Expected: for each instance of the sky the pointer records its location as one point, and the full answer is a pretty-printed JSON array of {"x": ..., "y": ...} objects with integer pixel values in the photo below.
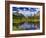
[{"x": 26, "y": 11}]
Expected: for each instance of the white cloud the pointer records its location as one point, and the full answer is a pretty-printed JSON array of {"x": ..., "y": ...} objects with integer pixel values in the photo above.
[{"x": 28, "y": 12}]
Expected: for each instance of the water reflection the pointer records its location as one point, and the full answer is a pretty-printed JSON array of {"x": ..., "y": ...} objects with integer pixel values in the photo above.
[{"x": 27, "y": 26}]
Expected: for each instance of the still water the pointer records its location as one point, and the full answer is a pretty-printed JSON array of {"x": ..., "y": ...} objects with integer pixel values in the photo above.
[{"x": 27, "y": 26}]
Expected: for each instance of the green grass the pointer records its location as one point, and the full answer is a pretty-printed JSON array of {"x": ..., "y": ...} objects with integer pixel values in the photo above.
[{"x": 25, "y": 20}]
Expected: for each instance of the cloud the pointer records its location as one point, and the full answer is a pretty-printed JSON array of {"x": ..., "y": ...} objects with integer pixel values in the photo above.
[{"x": 26, "y": 11}]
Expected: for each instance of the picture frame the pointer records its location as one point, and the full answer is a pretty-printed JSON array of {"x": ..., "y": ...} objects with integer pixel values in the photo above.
[{"x": 10, "y": 10}]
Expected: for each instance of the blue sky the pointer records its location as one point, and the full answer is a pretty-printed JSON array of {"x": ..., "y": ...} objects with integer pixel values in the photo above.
[{"x": 27, "y": 11}]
